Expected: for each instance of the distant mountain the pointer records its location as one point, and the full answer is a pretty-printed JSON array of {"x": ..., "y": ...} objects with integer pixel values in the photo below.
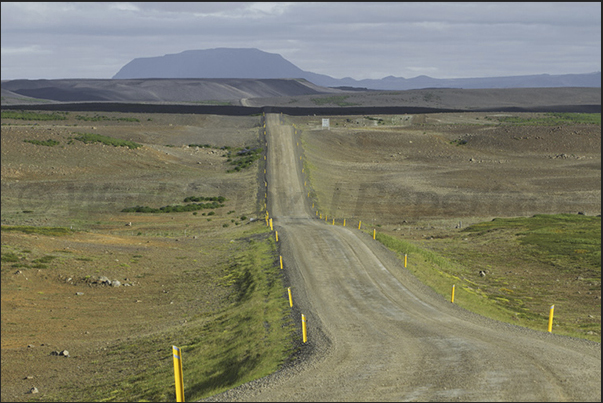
[{"x": 257, "y": 64}]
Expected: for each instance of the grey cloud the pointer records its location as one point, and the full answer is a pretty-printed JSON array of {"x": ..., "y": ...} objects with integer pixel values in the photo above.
[{"x": 359, "y": 40}]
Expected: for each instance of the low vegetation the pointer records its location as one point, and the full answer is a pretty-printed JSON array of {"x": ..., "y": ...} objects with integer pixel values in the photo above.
[
  {"x": 214, "y": 203},
  {"x": 243, "y": 158},
  {"x": 552, "y": 119},
  {"x": 22, "y": 115},
  {"x": 102, "y": 118},
  {"x": 47, "y": 143},
  {"x": 517, "y": 255},
  {"x": 201, "y": 145},
  {"x": 48, "y": 231},
  {"x": 250, "y": 337},
  {"x": 568, "y": 241},
  {"x": 89, "y": 138},
  {"x": 335, "y": 99}
]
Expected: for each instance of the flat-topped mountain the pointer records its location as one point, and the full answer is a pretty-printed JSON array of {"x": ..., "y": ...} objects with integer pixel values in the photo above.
[{"x": 257, "y": 64}]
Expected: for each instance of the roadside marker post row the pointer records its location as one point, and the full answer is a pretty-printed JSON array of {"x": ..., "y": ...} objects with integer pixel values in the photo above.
[
  {"x": 319, "y": 215},
  {"x": 304, "y": 324},
  {"x": 551, "y": 310}
]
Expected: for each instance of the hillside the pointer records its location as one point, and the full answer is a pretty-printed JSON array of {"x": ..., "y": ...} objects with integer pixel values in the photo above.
[{"x": 227, "y": 90}]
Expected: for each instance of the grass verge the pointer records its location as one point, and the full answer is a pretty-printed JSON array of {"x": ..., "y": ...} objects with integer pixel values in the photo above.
[
  {"x": 249, "y": 338},
  {"x": 560, "y": 245}
]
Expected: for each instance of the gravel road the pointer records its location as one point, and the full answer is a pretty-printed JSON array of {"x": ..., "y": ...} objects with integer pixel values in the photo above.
[{"x": 376, "y": 334}]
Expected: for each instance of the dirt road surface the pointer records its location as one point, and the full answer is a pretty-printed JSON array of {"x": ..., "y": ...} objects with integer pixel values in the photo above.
[{"x": 376, "y": 334}]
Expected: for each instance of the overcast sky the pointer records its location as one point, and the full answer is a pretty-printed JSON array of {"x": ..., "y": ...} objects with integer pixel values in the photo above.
[{"x": 358, "y": 40}]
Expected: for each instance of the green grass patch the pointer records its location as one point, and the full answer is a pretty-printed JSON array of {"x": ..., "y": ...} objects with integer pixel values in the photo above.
[
  {"x": 102, "y": 118},
  {"x": 567, "y": 240},
  {"x": 48, "y": 231},
  {"x": 219, "y": 199},
  {"x": 10, "y": 257},
  {"x": 335, "y": 99},
  {"x": 44, "y": 259},
  {"x": 213, "y": 203},
  {"x": 22, "y": 115},
  {"x": 89, "y": 138},
  {"x": 492, "y": 297},
  {"x": 249, "y": 338}
]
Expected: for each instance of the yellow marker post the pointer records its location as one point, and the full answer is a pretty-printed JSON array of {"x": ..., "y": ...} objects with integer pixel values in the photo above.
[
  {"x": 333, "y": 221},
  {"x": 359, "y": 223},
  {"x": 177, "y": 354},
  {"x": 304, "y": 331},
  {"x": 290, "y": 298},
  {"x": 276, "y": 233},
  {"x": 405, "y": 259},
  {"x": 271, "y": 229},
  {"x": 452, "y": 297},
  {"x": 551, "y": 318},
  {"x": 325, "y": 217},
  {"x": 374, "y": 233},
  {"x": 344, "y": 222},
  {"x": 281, "y": 258}
]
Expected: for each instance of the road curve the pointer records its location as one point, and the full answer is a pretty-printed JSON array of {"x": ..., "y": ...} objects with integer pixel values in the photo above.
[{"x": 379, "y": 335}]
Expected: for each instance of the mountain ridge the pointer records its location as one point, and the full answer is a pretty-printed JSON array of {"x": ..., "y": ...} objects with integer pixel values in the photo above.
[{"x": 256, "y": 64}]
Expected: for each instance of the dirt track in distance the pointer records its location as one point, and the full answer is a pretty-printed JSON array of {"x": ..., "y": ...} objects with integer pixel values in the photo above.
[{"x": 379, "y": 335}]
